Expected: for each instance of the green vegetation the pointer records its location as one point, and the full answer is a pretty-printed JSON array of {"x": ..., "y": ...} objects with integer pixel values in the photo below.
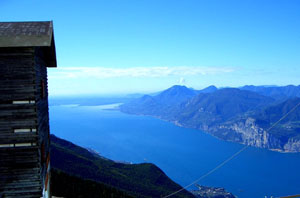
[
  {"x": 278, "y": 93},
  {"x": 137, "y": 180},
  {"x": 202, "y": 109},
  {"x": 287, "y": 128},
  {"x": 229, "y": 106},
  {"x": 68, "y": 186}
]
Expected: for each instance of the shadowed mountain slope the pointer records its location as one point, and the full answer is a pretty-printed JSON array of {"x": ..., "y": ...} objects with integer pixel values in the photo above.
[
  {"x": 233, "y": 114},
  {"x": 279, "y": 93},
  {"x": 137, "y": 180},
  {"x": 219, "y": 106}
]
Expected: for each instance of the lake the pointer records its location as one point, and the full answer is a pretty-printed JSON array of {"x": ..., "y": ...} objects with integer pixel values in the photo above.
[{"x": 183, "y": 154}]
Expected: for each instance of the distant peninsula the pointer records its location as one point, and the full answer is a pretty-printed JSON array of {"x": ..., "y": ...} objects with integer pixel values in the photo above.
[
  {"x": 211, "y": 192},
  {"x": 243, "y": 115}
]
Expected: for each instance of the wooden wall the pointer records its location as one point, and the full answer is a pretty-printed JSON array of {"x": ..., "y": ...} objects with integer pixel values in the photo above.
[
  {"x": 24, "y": 122},
  {"x": 42, "y": 109}
]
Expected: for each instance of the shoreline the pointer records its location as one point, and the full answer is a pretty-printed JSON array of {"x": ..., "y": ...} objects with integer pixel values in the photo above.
[{"x": 176, "y": 123}]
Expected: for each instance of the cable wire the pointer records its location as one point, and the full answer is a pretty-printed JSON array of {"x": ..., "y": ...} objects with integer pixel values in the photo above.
[
  {"x": 231, "y": 157},
  {"x": 209, "y": 172},
  {"x": 290, "y": 196}
]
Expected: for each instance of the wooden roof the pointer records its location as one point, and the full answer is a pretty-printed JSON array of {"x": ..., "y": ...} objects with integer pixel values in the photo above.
[{"x": 29, "y": 34}]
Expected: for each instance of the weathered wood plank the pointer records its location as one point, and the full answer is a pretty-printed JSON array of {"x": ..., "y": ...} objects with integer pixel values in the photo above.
[
  {"x": 23, "y": 77},
  {"x": 18, "y": 138},
  {"x": 19, "y": 192},
  {"x": 20, "y": 171},
  {"x": 17, "y": 50}
]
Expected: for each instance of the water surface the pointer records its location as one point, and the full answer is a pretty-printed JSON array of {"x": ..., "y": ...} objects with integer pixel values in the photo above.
[{"x": 183, "y": 154}]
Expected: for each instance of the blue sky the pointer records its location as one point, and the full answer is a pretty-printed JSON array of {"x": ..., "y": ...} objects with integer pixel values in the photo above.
[{"x": 129, "y": 46}]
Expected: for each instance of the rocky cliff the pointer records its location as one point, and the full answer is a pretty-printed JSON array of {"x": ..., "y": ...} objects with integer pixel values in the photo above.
[
  {"x": 230, "y": 114},
  {"x": 248, "y": 132}
]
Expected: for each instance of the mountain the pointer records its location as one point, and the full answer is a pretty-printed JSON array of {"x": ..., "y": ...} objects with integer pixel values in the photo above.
[
  {"x": 83, "y": 172},
  {"x": 70, "y": 186},
  {"x": 257, "y": 129},
  {"x": 221, "y": 105},
  {"x": 289, "y": 127},
  {"x": 209, "y": 89},
  {"x": 175, "y": 95},
  {"x": 163, "y": 102},
  {"x": 158, "y": 104},
  {"x": 231, "y": 114},
  {"x": 279, "y": 93},
  {"x": 195, "y": 110}
]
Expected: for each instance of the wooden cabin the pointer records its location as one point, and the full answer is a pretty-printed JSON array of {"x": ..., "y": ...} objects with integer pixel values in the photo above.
[{"x": 26, "y": 50}]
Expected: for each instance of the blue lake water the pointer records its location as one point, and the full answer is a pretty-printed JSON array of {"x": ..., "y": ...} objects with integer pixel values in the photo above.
[{"x": 183, "y": 154}]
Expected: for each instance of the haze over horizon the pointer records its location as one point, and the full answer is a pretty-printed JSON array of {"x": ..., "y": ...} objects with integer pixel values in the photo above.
[{"x": 118, "y": 47}]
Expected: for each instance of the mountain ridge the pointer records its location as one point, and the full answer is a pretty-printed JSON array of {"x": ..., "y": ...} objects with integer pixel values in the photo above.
[
  {"x": 129, "y": 180},
  {"x": 277, "y": 92},
  {"x": 231, "y": 114}
]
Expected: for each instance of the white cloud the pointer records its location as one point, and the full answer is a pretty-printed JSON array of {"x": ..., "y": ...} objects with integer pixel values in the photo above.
[
  {"x": 109, "y": 72},
  {"x": 181, "y": 81}
]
